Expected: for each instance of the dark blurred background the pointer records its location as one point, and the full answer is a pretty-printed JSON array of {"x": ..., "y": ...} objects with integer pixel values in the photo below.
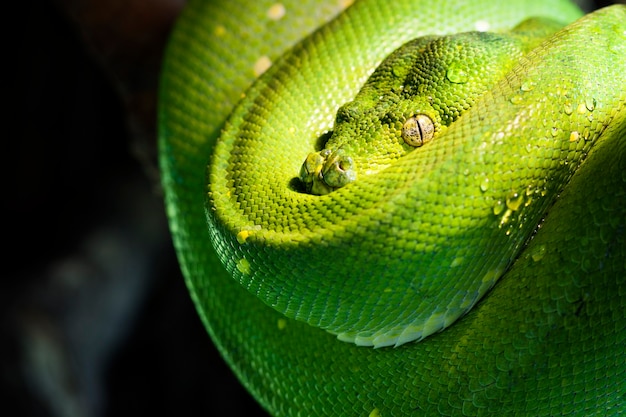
[{"x": 95, "y": 318}]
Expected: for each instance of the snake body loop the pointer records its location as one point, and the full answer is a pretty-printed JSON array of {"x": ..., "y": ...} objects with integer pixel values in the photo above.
[{"x": 526, "y": 187}]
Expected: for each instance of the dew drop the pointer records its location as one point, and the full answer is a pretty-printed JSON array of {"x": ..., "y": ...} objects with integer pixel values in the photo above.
[
  {"x": 456, "y": 74},
  {"x": 505, "y": 219},
  {"x": 530, "y": 190},
  {"x": 538, "y": 253},
  {"x": 498, "y": 207},
  {"x": 527, "y": 202},
  {"x": 375, "y": 413},
  {"x": 514, "y": 200},
  {"x": 243, "y": 266},
  {"x": 516, "y": 99},
  {"x": 484, "y": 184},
  {"x": 527, "y": 85},
  {"x": 590, "y": 103},
  {"x": 567, "y": 108},
  {"x": 456, "y": 262}
]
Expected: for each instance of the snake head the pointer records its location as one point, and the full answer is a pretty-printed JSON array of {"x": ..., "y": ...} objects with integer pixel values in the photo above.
[{"x": 326, "y": 171}]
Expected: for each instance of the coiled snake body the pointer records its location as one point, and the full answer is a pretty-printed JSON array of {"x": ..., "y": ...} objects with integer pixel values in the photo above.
[{"x": 521, "y": 187}]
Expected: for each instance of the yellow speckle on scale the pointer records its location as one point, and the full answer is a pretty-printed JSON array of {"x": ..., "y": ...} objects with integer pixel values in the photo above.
[
  {"x": 573, "y": 137},
  {"x": 375, "y": 413},
  {"x": 582, "y": 108},
  {"x": 261, "y": 65},
  {"x": 276, "y": 11},
  {"x": 219, "y": 30},
  {"x": 344, "y": 4},
  {"x": 243, "y": 236},
  {"x": 282, "y": 324}
]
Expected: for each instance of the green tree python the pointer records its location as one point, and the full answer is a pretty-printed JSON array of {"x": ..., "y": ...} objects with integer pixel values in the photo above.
[{"x": 440, "y": 234}]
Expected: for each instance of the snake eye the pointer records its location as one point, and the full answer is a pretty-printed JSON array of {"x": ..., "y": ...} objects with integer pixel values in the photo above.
[{"x": 418, "y": 130}]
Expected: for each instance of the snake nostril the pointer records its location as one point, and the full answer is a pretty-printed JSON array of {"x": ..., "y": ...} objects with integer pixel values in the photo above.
[
  {"x": 339, "y": 170},
  {"x": 325, "y": 171}
]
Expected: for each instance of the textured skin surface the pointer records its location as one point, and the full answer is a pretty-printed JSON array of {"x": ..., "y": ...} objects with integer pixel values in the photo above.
[
  {"x": 437, "y": 77},
  {"x": 546, "y": 340}
]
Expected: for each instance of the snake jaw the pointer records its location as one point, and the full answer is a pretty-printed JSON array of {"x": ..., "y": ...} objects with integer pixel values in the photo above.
[{"x": 325, "y": 171}]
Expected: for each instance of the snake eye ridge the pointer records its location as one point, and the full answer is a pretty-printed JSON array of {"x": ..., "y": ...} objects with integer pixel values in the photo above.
[{"x": 418, "y": 130}]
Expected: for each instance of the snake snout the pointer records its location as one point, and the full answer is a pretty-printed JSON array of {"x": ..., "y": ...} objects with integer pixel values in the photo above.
[
  {"x": 338, "y": 170},
  {"x": 325, "y": 171}
]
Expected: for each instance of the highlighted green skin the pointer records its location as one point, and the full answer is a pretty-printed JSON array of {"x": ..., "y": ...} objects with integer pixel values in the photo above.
[
  {"x": 439, "y": 77},
  {"x": 548, "y": 339},
  {"x": 432, "y": 238}
]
